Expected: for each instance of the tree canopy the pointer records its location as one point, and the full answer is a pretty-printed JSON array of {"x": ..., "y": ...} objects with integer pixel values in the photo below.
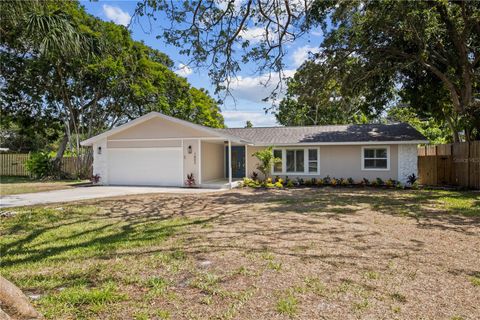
[
  {"x": 66, "y": 74},
  {"x": 374, "y": 55}
]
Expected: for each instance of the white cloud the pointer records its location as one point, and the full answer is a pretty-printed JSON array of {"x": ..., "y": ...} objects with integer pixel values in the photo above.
[
  {"x": 253, "y": 35},
  {"x": 238, "y": 118},
  {"x": 183, "y": 70},
  {"x": 117, "y": 15},
  {"x": 257, "y": 88},
  {"x": 237, "y": 4},
  {"x": 301, "y": 54}
]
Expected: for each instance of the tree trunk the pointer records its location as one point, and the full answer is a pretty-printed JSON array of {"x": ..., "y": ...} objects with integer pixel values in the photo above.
[
  {"x": 61, "y": 150},
  {"x": 14, "y": 299},
  {"x": 453, "y": 129}
]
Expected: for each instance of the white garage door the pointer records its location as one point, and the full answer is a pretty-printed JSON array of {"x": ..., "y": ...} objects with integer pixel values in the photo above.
[{"x": 145, "y": 166}]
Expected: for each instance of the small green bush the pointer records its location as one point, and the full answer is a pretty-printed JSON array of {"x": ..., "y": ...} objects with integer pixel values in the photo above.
[
  {"x": 390, "y": 183},
  {"x": 334, "y": 182},
  {"x": 327, "y": 180},
  {"x": 39, "y": 165},
  {"x": 247, "y": 182},
  {"x": 289, "y": 184},
  {"x": 365, "y": 182}
]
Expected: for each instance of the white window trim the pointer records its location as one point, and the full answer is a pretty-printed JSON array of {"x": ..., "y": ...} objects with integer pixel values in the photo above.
[
  {"x": 375, "y": 147},
  {"x": 305, "y": 162}
]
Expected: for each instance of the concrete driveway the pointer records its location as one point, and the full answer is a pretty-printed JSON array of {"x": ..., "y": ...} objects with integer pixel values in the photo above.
[{"x": 83, "y": 193}]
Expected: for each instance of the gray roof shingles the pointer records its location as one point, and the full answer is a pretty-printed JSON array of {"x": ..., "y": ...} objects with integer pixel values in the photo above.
[{"x": 327, "y": 134}]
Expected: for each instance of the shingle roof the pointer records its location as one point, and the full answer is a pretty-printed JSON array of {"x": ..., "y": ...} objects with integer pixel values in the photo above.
[{"x": 328, "y": 134}]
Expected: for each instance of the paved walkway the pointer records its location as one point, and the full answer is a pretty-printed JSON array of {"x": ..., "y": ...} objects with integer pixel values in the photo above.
[{"x": 83, "y": 193}]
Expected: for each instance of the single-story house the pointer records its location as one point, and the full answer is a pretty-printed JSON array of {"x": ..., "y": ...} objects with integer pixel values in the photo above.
[{"x": 161, "y": 150}]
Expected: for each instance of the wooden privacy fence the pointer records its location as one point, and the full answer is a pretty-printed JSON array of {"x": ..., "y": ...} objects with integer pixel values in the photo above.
[
  {"x": 450, "y": 164},
  {"x": 13, "y": 164}
]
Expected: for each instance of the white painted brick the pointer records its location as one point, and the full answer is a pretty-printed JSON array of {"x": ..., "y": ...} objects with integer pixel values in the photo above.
[{"x": 407, "y": 161}]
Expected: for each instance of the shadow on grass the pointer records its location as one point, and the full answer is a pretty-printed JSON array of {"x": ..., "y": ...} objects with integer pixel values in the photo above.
[{"x": 139, "y": 225}]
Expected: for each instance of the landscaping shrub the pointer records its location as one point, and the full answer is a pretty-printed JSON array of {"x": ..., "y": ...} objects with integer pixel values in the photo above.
[
  {"x": 327, "y": 180},
  {"x": 300, "y": 182},
  {"x": 247, "y": 182},
  {"x": 266, "y": 160},
  {"x": 95, "y": 178},
  {"x": 333, "y": 182},
  {"x": 411, "y": 179},
  {"x": 279, "y": 183},
  {"x": 289, "y": 184},
  {"x": 390, "y": 183},
  {"x": 39, "y": 165}
]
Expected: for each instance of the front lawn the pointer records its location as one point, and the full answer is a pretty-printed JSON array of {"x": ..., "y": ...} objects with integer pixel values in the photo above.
[
  {"x": 16, "y": 185},
  {"x": 251, "y": 254}
]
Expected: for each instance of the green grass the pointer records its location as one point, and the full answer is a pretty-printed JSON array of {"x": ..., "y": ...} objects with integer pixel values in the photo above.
[
  {"x": 287, "y": 305},
  {"x": 475, "y": 279},
  {"x": 360, "y": 306},
  {"x": 130, "y": 258},
  {"x": 398, "y": 297},
  {"x": 399, "y": 202},
  {"x": 467, "y": 204},
  {"x": 372, "y": 275},
  {"x": 72, "y": 257},
  {"x": 16, "y": 185},
  {"x": 82, "y": 301}
]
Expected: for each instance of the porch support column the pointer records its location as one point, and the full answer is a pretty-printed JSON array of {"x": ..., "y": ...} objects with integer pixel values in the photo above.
[{"x": 230, "y": 163}]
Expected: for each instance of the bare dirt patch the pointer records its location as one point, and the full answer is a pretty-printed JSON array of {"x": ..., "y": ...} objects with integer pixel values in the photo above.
[{"x": 304, "y": 254}]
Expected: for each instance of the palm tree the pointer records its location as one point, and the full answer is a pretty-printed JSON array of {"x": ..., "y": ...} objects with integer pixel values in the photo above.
[{"x": 39, "y": 28}]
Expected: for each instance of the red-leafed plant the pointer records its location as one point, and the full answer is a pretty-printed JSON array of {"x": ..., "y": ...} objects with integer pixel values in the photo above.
[
  {"x": 95, "y": 178},
  {"x": 190, "y": 180}
]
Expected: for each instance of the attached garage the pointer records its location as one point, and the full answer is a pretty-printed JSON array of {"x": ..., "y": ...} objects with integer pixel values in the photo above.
[
  {"x": 158, "y": 150},
  {"x": 145, "y": 166}
]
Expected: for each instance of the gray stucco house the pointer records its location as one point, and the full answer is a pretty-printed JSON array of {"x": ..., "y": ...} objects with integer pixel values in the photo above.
[{"x": 156, "y": 149}]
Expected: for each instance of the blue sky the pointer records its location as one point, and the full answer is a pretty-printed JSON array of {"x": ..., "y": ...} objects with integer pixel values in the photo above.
[{"x": 247, "y": 90}]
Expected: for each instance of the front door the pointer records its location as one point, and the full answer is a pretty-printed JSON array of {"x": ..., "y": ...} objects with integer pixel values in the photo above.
[{"x": 238, "y": 161}]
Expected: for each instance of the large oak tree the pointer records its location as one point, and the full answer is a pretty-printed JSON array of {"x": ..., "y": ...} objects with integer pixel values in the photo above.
[
  {"x": 65, "y": 69},
  {"x": 372, "y": 49}
]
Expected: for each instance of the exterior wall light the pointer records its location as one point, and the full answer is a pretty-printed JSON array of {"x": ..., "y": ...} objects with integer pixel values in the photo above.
[
  {"x": 189, "y": 149},
  {"x": 99, "y": 150}
]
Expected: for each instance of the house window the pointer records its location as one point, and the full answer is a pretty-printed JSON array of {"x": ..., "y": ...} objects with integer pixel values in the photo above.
[
  {"x": 312, "y": 160},
  {"x": 295, "y": 160},
  {"x": 375, "y": 158},
  {"x": 278, "y": 166},
  {"x": 300, "y": 161}
]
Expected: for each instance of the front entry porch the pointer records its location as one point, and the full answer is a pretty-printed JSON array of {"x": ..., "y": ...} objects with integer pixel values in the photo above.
[{"x": 222, "y": 164}]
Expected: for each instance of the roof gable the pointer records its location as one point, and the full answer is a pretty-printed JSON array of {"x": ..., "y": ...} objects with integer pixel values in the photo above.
[{"x": 155, "y": 125}]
